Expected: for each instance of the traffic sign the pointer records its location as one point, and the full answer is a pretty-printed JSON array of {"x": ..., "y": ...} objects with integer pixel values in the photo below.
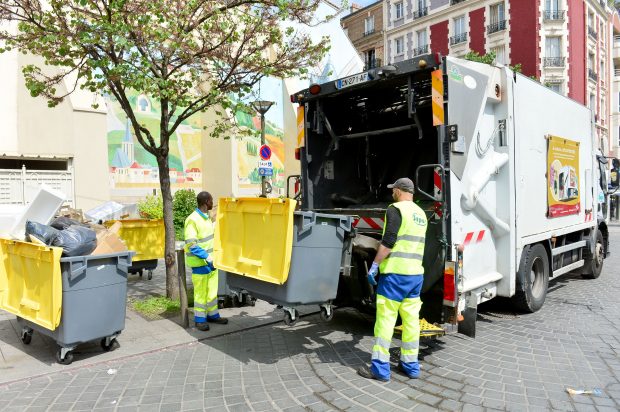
[
  {"x": 265, "y": 168},
  {"x": 265, "y": 152}
]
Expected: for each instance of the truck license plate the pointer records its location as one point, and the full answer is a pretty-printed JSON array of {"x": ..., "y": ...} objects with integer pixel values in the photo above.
[{"x": 351, "y": 80}]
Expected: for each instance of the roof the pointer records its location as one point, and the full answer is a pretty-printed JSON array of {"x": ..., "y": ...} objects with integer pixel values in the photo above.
[
  {"x": 135, "y": 165},
  {"x": 361, "y": 10},
  {"x": 127, "y": 138},
  {"x": 120, "y": 159},
  {"x": 193, "y": 170}
]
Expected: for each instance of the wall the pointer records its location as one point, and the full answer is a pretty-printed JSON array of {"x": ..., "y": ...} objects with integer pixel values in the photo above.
[
  {"x": 524, "y": 29},
  {"x": 477, "y": 30},
  {"x": 577, "y": 50},
  {"x": 439, "y": 38}
]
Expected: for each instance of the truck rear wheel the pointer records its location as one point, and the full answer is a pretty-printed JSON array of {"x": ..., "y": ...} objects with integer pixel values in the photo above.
[
  {"x": 594, "y": 265},
  {"x": 532, "y": 279}
]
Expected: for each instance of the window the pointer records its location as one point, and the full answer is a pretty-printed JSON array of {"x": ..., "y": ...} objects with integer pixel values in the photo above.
[
  {"x": 619, "y": 102},
  {"x": 369, "y": 59},
  {"x": 592, "y": 102},
  {"x": 497, "y": 13},
  {"x": 500, "y": 55},
  {"x": 591, "y": 61},
  {"x": 398, "y": 7},
  {"x": 422, "y": 38},
  {"x": 553, "y": 46},
  {"x": 399, "y": 45},
  {"x": 459, "y": 26},
  {"x": 552, "y": 5},
  {"x": 369, "y": 25},
  {"x": 590, "y": 20},
  {"x": 556, "y": 87},
  {"x": 602, "y": 72},
  {"x": 421, "y": 4}
]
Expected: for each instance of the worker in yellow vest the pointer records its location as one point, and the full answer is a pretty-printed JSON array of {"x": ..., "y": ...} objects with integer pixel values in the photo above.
[
  {"x": 399, "y": 259},
  {"x": 198, "y": 250}
]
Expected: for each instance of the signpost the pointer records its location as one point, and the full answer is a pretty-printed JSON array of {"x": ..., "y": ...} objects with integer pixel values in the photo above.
[{"x": 265, "y": 166}]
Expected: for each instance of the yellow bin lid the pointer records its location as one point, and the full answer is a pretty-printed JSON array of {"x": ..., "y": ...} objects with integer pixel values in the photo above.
[{"x": 254, "y": 237}]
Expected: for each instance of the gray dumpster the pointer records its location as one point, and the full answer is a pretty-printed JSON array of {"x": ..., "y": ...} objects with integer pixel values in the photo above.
[
  {"x": 317, "y": 251},
  {"x": 94, "y": 296}
]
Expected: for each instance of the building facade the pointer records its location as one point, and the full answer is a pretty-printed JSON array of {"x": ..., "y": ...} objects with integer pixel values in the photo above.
[
  {"x": 364, "y": 27},
  {"x": 566, "y": 44},
  {"x": 615, "y": 99}
]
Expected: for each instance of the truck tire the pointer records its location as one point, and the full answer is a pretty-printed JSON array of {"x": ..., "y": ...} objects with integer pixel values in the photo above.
[
  {"x": 594, "y": 265},
  {"x": 532, "y": 279}
]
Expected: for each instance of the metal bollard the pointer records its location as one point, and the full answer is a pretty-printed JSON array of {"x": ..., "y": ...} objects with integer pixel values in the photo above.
[{"x": 182, "y": 287}]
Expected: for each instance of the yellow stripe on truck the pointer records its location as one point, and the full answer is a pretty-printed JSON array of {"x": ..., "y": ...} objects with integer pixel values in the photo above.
[
  {"x": 437, "y": 98},
  {"x": 300, "y": 126}
]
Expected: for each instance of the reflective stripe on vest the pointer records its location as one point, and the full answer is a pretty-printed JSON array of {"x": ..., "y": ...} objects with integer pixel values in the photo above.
[
  {"x": 204, "y": 238},
  {"x": 408, "y": 251}
]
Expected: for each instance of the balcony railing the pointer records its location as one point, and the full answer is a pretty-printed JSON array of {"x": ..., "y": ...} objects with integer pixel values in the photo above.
[
  {"x": 453, "y": 2},
  {"x": 420, "y": 50},
  {"x": 458, "y": 39},
  {"x": 420, "y": 13},
  {"x": 372, "y": 63},
  {"x": 616, "y": 40},
  {"x": 495, "y": 27},
  {"x": 369, "y": 32},
  {"x": 557, "y": 15},
  {"x": 617, "y": 72},
  {"x": 592, "y": 32},
  {"x": 554, "y": 61},
  {"x": 592, "y": 75}
]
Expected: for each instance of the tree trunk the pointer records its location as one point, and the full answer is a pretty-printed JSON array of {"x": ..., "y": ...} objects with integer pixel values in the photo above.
[{"x": 172, "y": 285}]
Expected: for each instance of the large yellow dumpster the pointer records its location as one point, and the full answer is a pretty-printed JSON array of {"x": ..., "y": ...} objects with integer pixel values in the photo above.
[
  {"x": 146, "y": 238},
  {"x": 31, "y": 282}
]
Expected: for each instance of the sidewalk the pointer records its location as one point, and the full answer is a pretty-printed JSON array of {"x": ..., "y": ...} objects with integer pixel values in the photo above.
[{"x": 141, "y": 335}]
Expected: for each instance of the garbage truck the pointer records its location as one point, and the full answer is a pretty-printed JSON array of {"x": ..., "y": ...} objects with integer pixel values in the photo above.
[{"x": 508, "y": 171}]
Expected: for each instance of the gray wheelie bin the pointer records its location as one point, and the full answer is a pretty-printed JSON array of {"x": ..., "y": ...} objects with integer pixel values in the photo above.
[
  {"x": 276, "y": 254},
  {"x": 94, "y": 296}
]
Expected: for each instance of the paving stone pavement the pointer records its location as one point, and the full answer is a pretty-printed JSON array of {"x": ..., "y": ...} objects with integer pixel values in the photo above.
[{"x": 516, "y": 363}]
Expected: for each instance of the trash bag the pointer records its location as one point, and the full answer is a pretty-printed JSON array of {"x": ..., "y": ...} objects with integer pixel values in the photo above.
[
  {"x": 62, "y": 223},
  {"x": 44, "y": 233},
  {"x": 76, "y": 241}
]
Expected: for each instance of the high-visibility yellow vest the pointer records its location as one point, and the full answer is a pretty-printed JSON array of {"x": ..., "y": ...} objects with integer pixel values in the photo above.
[
  {"x": 407, "y": 254},
  {"x": 198, "y": 231}
]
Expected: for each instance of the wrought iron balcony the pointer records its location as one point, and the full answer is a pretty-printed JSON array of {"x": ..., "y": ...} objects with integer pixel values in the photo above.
[
  {"x": 592, "y": 32},
  {"x": 420, "y": 50},
  {"x": 495, "y": 27},
  {"x": 372, "y": 63},
  {"x": 592, "y": 75},
  {"x": 453, "y": 2},
  {"x": 368, "y": 32},
  {"x": 420, "y": 13},
  {"x": 557, "y": 15},
  {"x": 459, "y": 38},
  {"x": 554, "y": 61}
]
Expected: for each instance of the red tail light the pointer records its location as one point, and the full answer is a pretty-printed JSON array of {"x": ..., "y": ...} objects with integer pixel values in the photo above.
[
  {"x": 298, "y": 154},
  {"x": 297, "y": 186},
  {"x": 449, "y": 286},
  {"x": 315, "y": 89},
  {"x": 293, "y": 99}
]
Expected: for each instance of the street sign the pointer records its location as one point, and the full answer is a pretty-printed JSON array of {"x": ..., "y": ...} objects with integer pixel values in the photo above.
[
  {"x": 265, "y": 152},
  {"x": 265, "y": 168}
]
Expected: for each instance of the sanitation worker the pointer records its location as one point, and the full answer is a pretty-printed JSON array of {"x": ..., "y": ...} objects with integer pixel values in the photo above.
[
  {"x": 198, "y": 250},
  {"x": 399, "y": 260}
]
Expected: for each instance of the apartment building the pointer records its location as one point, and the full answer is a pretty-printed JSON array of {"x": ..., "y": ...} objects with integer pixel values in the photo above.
[
  {"x": 615, "y": 100},
  {"x": 364, "y": 27},
  {"x": 566, "y": 44}
]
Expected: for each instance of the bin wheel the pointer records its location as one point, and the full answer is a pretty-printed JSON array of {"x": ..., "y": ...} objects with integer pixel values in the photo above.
[
  {"x": 288, "y": 319},
  {"x": 112, "y": 346},
  {"x": 27, "y": 338},
  {"x": 150, "y": 275},
  {"x": 324, "y": 316},
  {"x": 67, "y": 360},
  {"x": 236, "y": 302},
  {"x": 140, "y": 272},
  {"x": 252, "y": 302}
]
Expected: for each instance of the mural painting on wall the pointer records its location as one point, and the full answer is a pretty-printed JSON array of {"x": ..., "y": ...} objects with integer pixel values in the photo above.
[
  {"x": 248, "y": 179},
  {"x": 133, "y": 170}
]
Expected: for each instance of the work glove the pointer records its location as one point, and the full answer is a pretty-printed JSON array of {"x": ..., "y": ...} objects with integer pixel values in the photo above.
[
  {"x": 372, "y": 272},
  {"x": 199, "y": 252}
]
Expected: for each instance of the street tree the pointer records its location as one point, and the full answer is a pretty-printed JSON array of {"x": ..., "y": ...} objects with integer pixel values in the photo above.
[{"x": 190, "y": 56}]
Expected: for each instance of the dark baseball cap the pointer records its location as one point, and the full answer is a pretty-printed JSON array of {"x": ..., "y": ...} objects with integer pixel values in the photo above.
[{"x": 404, "y": 183}]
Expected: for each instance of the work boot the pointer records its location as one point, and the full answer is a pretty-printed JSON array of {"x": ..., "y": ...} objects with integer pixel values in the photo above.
[
  {"x": 220, "y": 321},
  {"x": 202, "y": 326},
  {"x": 409, "y": 375},
  {"x": 365, "y": 372}
]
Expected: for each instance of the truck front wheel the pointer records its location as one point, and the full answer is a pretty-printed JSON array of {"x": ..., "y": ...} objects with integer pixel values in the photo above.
[
  {"x": 532, "y": 279},
  {"x": 594, "y": 265}
]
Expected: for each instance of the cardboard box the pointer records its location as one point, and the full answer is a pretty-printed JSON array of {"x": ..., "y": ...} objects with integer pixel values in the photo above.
[{"x": 108, "y": 241}]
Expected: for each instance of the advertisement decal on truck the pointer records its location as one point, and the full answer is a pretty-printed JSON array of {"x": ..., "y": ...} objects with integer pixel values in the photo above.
[{"x": 563, "y": 177}]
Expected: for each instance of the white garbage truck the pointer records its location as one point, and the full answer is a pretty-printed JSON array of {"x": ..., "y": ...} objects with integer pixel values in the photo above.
[{"x": 508, "y": 171}]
